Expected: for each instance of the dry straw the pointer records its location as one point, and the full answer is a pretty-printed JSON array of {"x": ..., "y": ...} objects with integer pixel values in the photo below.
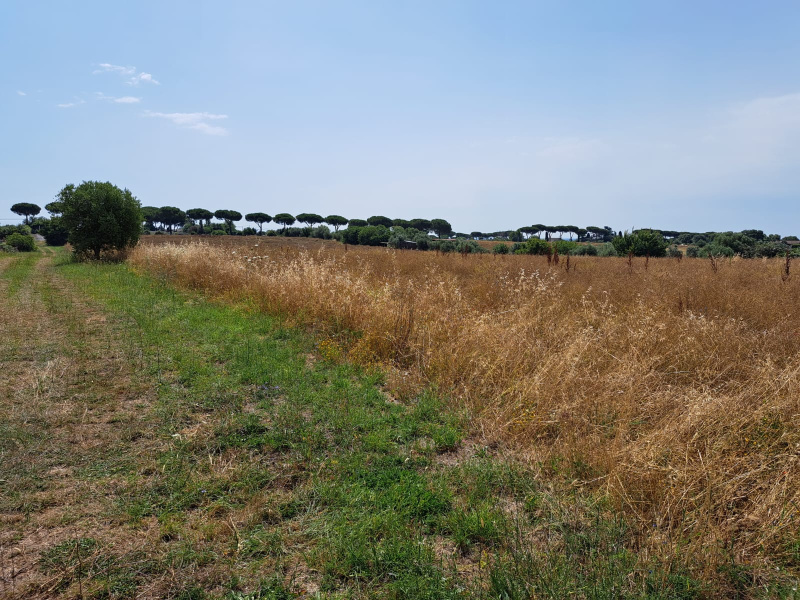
[{"x": 674, "y": 388}]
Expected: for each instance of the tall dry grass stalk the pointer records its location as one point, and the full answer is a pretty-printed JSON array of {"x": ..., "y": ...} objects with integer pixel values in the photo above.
[{"x": 676, "y": 388}]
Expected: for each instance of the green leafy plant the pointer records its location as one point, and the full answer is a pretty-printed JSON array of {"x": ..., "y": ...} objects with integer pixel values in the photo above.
[
  {"x": 643, "y": 242},
  {"x": 101, "y": 217},
  {"x": 21, "y": 242}
]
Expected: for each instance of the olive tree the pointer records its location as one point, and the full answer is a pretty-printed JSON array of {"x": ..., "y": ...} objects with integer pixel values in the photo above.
[{"x": 99, "y": 217}]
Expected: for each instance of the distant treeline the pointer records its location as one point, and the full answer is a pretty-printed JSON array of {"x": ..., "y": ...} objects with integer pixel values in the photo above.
[{"x": 433, "y": 234}]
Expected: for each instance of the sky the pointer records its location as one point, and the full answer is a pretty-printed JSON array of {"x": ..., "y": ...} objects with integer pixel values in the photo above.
[{"x": 681, "y": 115}]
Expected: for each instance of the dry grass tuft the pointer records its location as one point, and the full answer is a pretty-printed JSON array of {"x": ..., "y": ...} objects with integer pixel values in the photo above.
[{"x": 674, "y": 385}]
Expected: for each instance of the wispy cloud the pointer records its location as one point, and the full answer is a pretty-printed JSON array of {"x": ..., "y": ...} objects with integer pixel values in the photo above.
[
  {"x": 146, "y": 77},
  {"x": 71, "y": 104},
  {"x": 130, "y": 73},
  {"x": 197, "y": 121},
  {"x": 209, "y": 129},
  {"x": 21, "y": 93},
  {"x": 109, "y": 68},
  {"x": 120, "y": 100}
]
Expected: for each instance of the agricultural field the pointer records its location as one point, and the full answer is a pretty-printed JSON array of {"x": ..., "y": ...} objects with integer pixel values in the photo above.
[{"x": 253, "y": 417}]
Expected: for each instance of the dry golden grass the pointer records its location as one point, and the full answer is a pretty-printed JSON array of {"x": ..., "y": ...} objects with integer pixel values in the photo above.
[{"x": 672, "y": 385}]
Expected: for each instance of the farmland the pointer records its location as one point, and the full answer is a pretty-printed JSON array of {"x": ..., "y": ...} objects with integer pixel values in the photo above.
[{"x": 244, "y": 417}]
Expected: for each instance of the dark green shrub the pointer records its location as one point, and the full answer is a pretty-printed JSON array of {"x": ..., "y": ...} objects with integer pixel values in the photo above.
[
  {"x": 322, "y": 232},
  {"x": 20, "y": 242},
  {"x": 769, "y": 249},
  {"x": 715, "y": 249},
  {"x": 644, "y": 242},
  {"x": 564, "y": 247},
  {"x": 534, "y": 246},
  {"x": 373, "y": 235},
  {"x": 444, "y": 246},
  {"x": 674, "y": 252},
  {"x": 213, "y": 232},
  {"x": 54, "y": 232},
  {"x": 692, "y": 252},
  {"x": 6, "y": 230},
  {"x": 500, "y": 249},
  {"x": 468, "y": 247},
  {"x": 350, "y": 235}
]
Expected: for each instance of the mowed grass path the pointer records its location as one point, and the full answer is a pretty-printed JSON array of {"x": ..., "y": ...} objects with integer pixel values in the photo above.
[{"x": 155, "y": 445}]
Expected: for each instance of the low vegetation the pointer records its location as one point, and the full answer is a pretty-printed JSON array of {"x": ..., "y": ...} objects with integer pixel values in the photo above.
[
  {"x": 669, "y": 385},
  {"x": 157, "y": 445}
]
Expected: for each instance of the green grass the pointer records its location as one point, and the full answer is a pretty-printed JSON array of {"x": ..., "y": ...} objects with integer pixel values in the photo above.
[{"x": 279, "y": 477}]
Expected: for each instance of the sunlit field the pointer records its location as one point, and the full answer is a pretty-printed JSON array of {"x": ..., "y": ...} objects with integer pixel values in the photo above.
[{"x": 671, "y": 385}]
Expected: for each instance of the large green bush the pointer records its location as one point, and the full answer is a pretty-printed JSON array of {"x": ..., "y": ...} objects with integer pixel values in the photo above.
[
  {"x": 644, "y": 242},
  {"x": 564, "y": 247},
  {"x": 6, "y": 230},
  {"x": 101, "y": 217},
  {"x": 373, "y": 235},
  {"x": 350, "y": 235},
  {"x": 401, "y": 234},
  {"x": 54, "y": 232},
  {"x": 322, "y": 232},
  {"x": 534, "y": 245},
  {"x": 21, "y": 242},
  {"x": 715, "y": 249}
]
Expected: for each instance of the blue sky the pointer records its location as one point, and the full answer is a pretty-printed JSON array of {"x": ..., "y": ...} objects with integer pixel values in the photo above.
[{"x": 677, "y": 115}]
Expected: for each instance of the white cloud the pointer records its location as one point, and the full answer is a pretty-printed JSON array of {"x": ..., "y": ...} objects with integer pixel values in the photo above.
[
  {"x": 21, "y": 93},
  {"x": 120, "y": 100},
  {"x": 146, "y": 77},
  {"x": 209, "y": 129},
  {"x": 109, "y": 68},
  {"x": 71, "y": 104},
  {"x": 134, "y": 78},
  {"x": 196, "y": 120}
]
